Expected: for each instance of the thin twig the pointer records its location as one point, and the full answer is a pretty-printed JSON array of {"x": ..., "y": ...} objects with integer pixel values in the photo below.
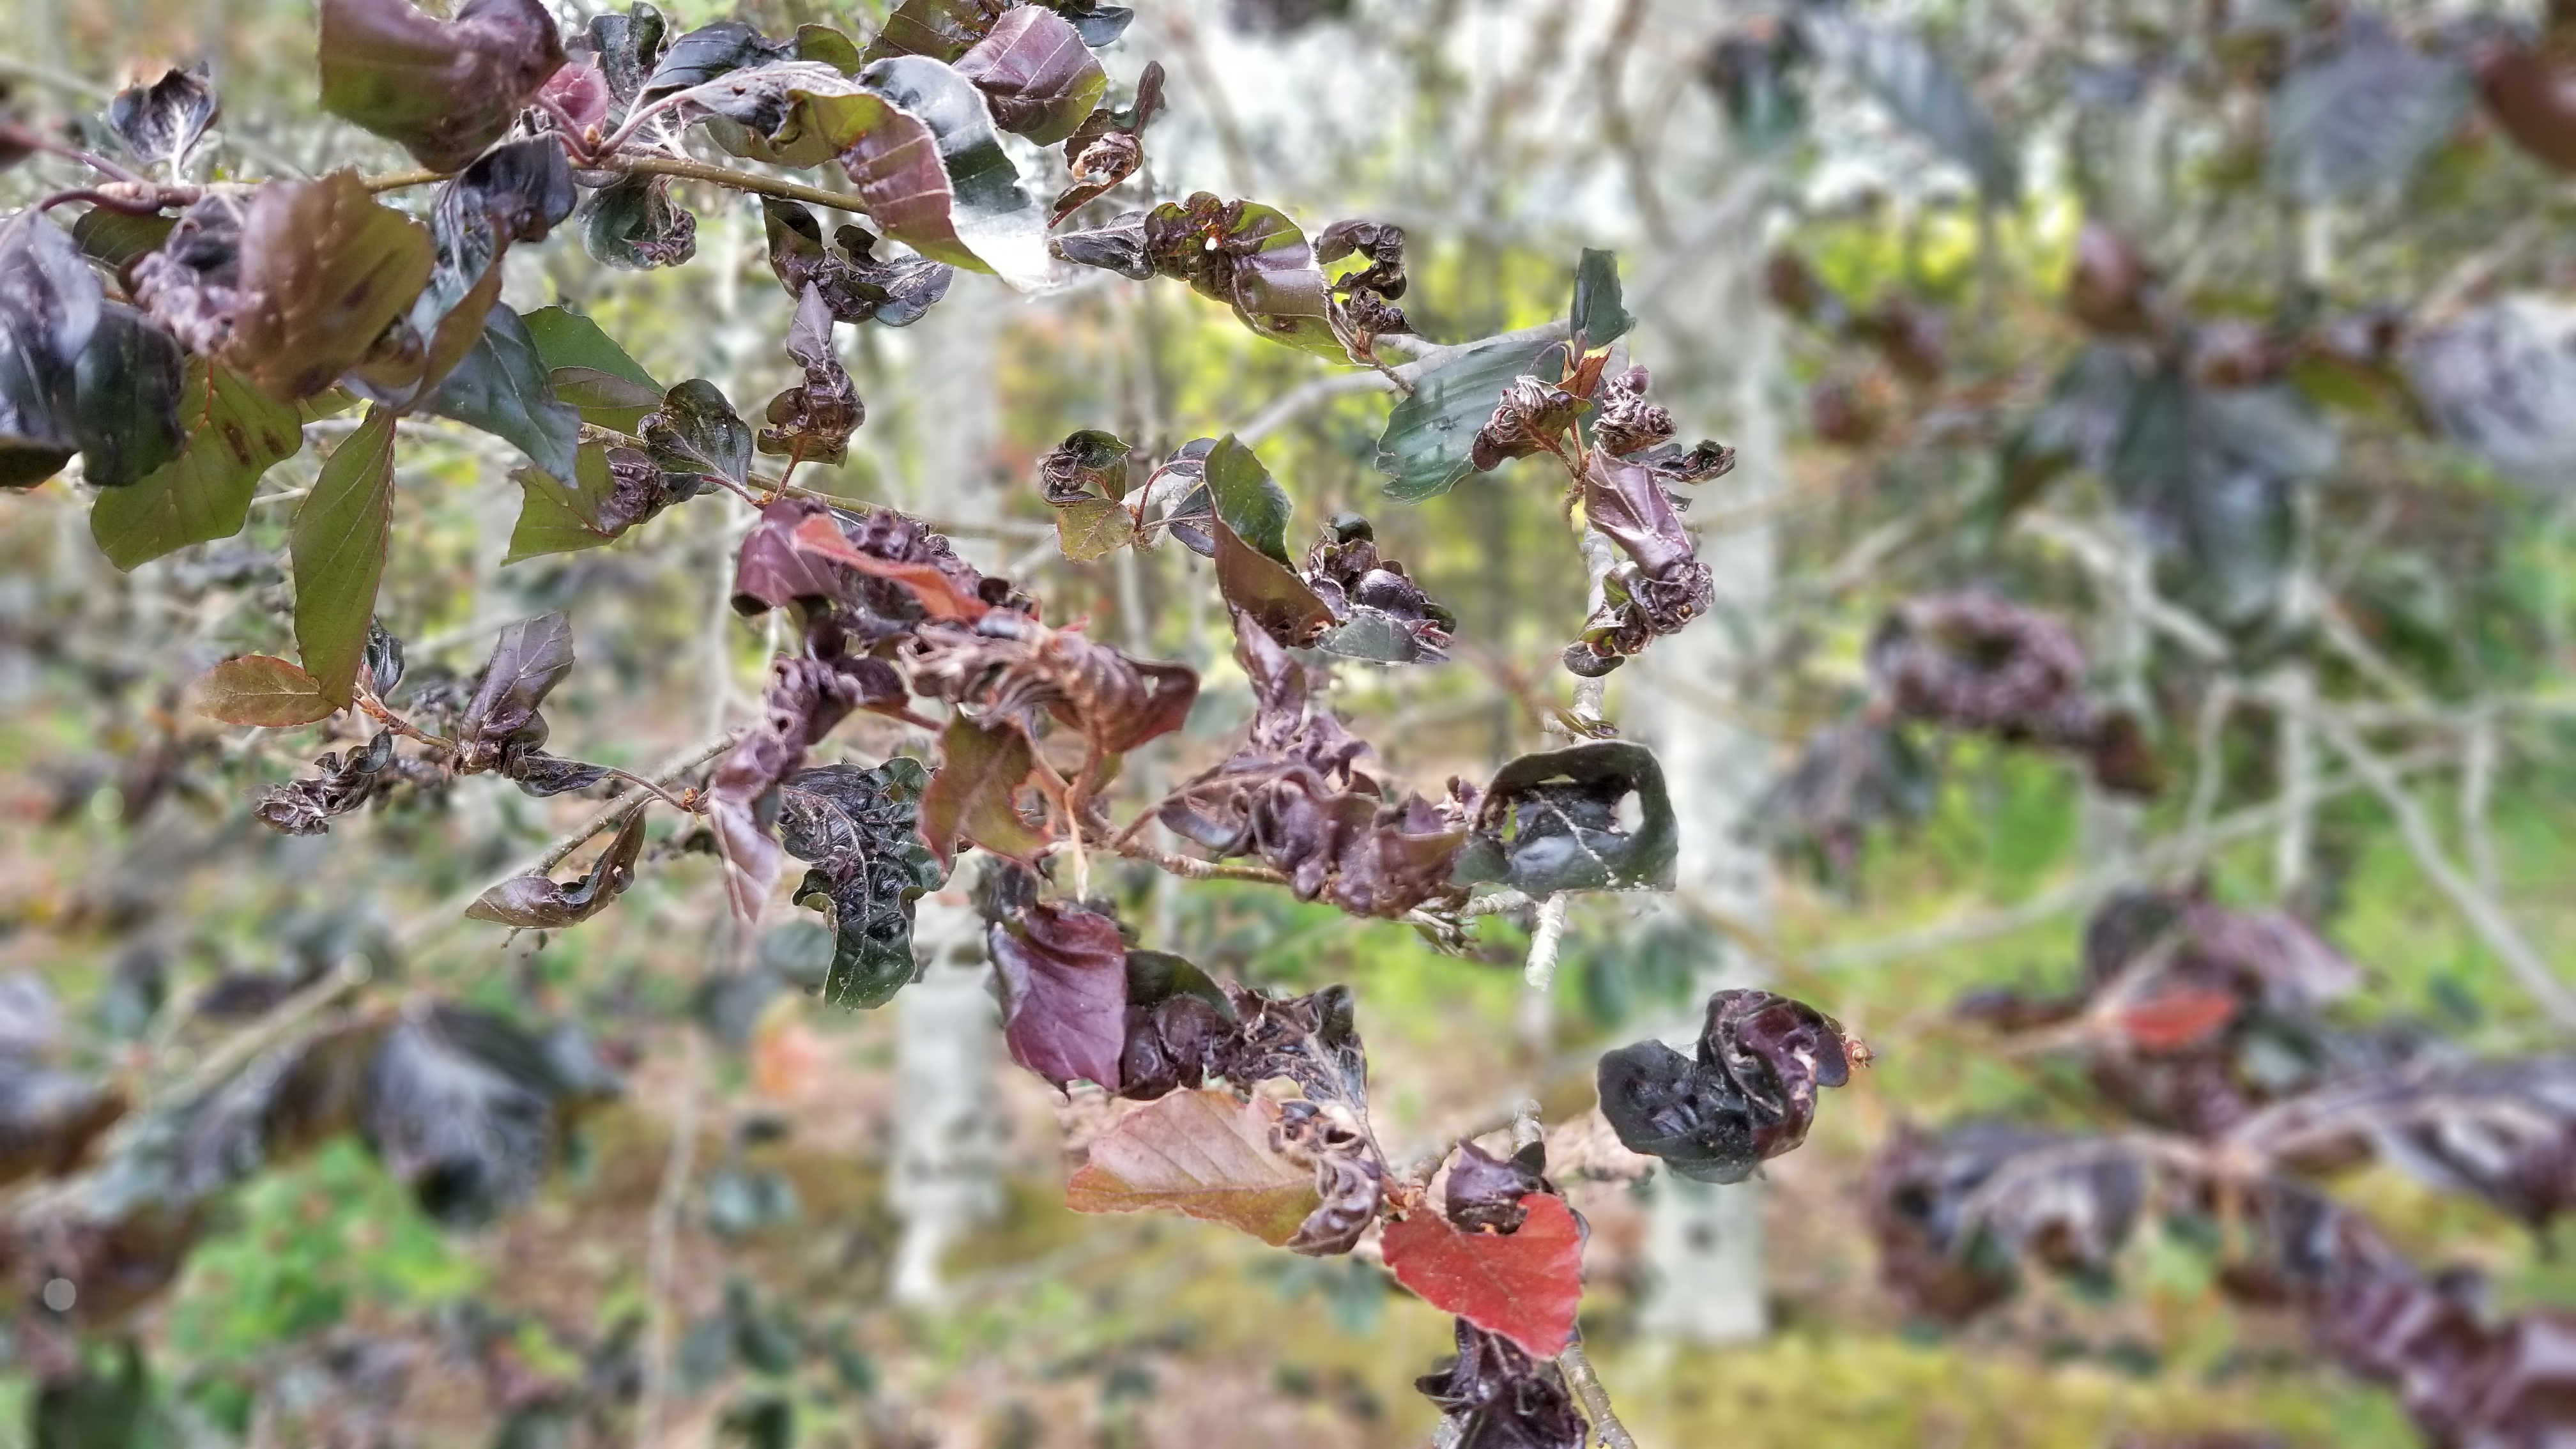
[
  {"x": 740, "y": 181},
  {"x": 1596, "y": 1399},
  {"x": 1546, "y": 937},
  {"x": 2484, "y": 914},
  {"x": 614, "y": 813}
]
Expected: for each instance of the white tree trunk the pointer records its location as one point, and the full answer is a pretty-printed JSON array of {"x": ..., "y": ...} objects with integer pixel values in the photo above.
[
  {"x": 1712, "y": 337},
  {"x": 947, "y": 1166}
]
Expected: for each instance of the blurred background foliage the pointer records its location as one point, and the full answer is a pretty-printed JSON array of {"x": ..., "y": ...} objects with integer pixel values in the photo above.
[{"x": 321, "y": 1306}]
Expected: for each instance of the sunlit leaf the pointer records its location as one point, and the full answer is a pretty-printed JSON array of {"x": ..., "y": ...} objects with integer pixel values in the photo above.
[
  {"x": 934, "y": 175},
  {"x": 257, "y": 689},
  {"x": 1523, "y": 1285}
]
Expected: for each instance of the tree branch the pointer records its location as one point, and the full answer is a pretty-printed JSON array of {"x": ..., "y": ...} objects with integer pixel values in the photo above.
[{"x": 740, "y": 181}]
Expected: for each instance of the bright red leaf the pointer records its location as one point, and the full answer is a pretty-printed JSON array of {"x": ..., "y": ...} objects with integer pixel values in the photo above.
[
  {"x": 1523, "y": 1286},
  {"x": 2173, "y": 1020}
]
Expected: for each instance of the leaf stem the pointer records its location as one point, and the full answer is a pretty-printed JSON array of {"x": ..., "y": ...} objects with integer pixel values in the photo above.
[
  {"x": 616, "y": 811},
  {"x": 740, "y": 181},
  {"x": 397, "y": 180}
]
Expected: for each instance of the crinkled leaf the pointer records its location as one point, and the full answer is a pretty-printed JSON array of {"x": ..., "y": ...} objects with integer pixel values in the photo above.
[
  {"x": 461, "y": 1106},
  {"x": 1523, "y": 1285},
  {"x": 1921, "y": 90},
  {"x": 517, "y": 191},
  {"x": 340, "y": 783},
  {"x": 1063, "y": 971},
  {"x": 2364, "y": 115},
  {"x": 971, "y": 796},
  {"x": 1430, "y": 437},
  {"x": 235, "y": 433},
  {"x": 1088, "y": 464},
  {"x": 1597, "y": 315},
  {"x": 857, "y": 286},
  {"x": 502, "y": 386},
  {"x": 633, "y": 222},
  {"x": 1550, "y": 822},
  {"x": 126, "y": 402},
  {"x": 444, "y": 90},
  {"x": 1036, "y": 74},
  {"x": 1496, "y": 1397},
  {"x": 1749, "y": 1094},
  {"x": 792, "y": 113},
  {"x": 807, "y": 696},
  {"x": 813, "y": 420},
  {"x": 1099, "y": 25},
  {"x": 613, "y": 490},
  {"x": 858, "y": 829},
  {"x": 934, "y": 175},
  {"x": 258, "y": 689},
  {"x": 1251, "y": 257},
  {"x": 338, "y": 543},
  {"x": 697, "y": 432},
  {"x": 1204, "y": 1155},
  {"x": 49, "y": 309},
  {"x": 529, "y": 658},
  {"x": 536, "y": 903},
  {"x": 1485, "y": 1191},
  {"x": 627, "y": 48},
  {"x": 159, "y": 124}
]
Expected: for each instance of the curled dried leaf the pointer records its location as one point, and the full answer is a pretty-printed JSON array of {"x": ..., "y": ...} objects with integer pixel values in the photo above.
[
  {"x": 341, "y": 784},
  {"x": 813, "y": 422},
  {"x": 1748, "y": 1094},
  {"x": 534, "y": 902}
]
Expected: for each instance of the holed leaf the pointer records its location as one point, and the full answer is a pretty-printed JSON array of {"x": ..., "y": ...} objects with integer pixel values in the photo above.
[
  {"x": 1036, "y": 74},
  {"x": 1749, "y": 1094},
  {"x": 858, "y": 830},
  {"x": 235, "y": 433},
  {"x": 1063, "y": 971},
  {"x": 536, "y": 903},
  {"x": 338, "y": 542},
  {"x": 258, "y": 689},
  {"x": 1523, "y": 1285},
  {"x": 1550, "y": 822},
  {"x": 444, "y": 90}
]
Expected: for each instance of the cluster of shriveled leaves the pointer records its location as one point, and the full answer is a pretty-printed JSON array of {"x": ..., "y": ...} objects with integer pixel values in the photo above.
[
  {"x": 2205, "y": 1023},
  {"x": 1975, "y": 661}
]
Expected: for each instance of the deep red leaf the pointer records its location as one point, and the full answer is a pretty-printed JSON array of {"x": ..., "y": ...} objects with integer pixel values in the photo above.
[
  {"x": 2182, "y": 1017},
  {"x": 1064, "y": 992}
]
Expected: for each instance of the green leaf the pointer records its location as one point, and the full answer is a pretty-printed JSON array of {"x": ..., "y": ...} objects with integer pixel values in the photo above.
[
  {"x": 125, "y": 407},
  {"x": 980, "y": 769},
  {"x": 2363, "y": 116},
  {"x": 567, "y": 341},
  {"x": 1550, "y": 822},
  {"x": 934, "y": 175},
  {"x": 1093, "y": 528},
  {"x": 859, "y": 830},
  {"x": 1901, "y": 69},
  {"x": 556, "y": 518},
  {"x": 1597, "y": 318},
  {"x": 604, "y": 398},
  {"x": 443, "y": 90},
  {"x": 259, "y": 689},
  {"x": 235, "y": 434},
  {"x": 338, "y": 545},
  {"x": 1432, "y": 433},
  {"x": 503, "y": 388},
  {"x": 115, "y": 240},
  {"x": 1037, "y": 76},
  {"x": 831, "y": 47},
  {"x": 1249, "y": 500}
]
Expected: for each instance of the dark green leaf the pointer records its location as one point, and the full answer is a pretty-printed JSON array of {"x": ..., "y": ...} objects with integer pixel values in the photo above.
[
  {"x": 628, "y": 47},
  {"x": 235, "y": 433},
  {"x": 338, "y": 543},
  {"x": 461, "y": 1107},
  {"x": 1597, "y": 318},
  {"x": 1249, "y": 500},
  {"x": 935, "y": 176},
  {"x": 2363, "y": 116},
  {"x": 698, "y": 432},
  {"x": 1430, "y": 437},
  {"x": 49, "y": 309},
  {"x": 708, "y": 53},
  {"x": 613, "y": 489},
  {"x": 858, "y": 829},
  {"x": 1900, "y": 68},
  {"x": 1036, "y": 75},
  {"x": 604, "y": 398},
  {"x": 85, "y": 1410},
  {"x": 633, "y": 222},
  {"x": 1550, "y": 822},
  {"x": 443, "y": 89},
  {"x": 503, "y": 388},
  {"x": 126, "y": 406},
  {"x": 116, "y": 240},
  {"x": 160, "y": 123}
]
